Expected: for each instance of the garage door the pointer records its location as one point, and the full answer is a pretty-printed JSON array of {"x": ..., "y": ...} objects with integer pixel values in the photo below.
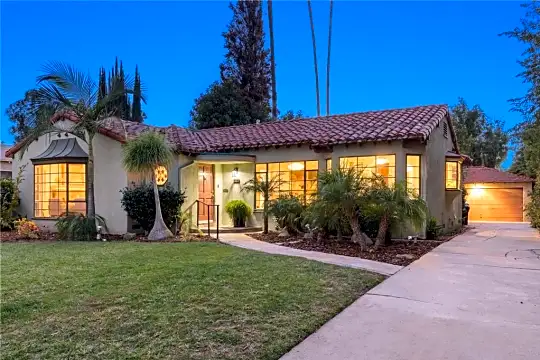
[{"x": 495, "y": 204}]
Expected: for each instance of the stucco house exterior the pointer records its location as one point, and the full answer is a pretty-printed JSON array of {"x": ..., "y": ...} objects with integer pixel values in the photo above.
[
  {"x": 5, "y": 162},
  {"x": 415, "y": 144}
]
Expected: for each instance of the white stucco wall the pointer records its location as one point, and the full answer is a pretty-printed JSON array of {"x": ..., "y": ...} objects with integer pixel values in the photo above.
[{"x": 109, "y": 178}]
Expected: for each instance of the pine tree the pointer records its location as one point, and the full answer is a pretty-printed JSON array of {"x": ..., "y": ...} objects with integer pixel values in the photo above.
[
  {"x": 136, "y": 113},
  {"x": 247, "y": 63},
  {"x": 102, "y": 84}
]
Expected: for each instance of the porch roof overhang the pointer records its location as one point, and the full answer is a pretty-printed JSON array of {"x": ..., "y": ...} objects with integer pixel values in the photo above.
[
  {"x": 62, "y": 150},
  {"x": 225, "y": 158}
]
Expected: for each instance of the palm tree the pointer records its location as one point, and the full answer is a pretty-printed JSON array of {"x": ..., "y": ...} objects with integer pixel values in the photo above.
[
  {"x": 64, "y": 90},
  {"x": 328, "y": 59},
  {"x": 344, "y": 191},
  {"x": 272, "y": 60},
  {"x": 314, "y": 57},
  {"x": 143, "y": 155},
  {"x": 395, "y": 204},
  {"x": 266, "y": 187}
]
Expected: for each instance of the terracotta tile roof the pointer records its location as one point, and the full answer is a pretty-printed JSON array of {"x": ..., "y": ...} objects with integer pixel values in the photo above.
[
  {"x": 397, "y": 124},
  {"x": 481, "y": 174}
]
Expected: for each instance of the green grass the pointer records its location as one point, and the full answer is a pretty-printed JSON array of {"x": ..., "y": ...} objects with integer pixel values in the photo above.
[{"x": 164, "y": 301}]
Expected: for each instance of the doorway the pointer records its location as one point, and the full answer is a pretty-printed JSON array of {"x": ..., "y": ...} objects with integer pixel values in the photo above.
[{"x": 206, "y": 192}]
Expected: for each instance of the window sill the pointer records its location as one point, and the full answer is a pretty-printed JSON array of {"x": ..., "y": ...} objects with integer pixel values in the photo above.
[{"x": 45, "y": 218}]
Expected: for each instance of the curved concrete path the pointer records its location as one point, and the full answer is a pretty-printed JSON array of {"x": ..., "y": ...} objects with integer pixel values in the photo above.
[
  {"x": 248, "y": 242},
  {"x": 474, "y": 297}
]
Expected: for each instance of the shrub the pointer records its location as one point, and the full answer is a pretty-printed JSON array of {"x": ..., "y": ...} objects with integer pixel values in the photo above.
[
  {"x": 138, "y": 202},
  {"x": 532, "y": 209},
  {"x": 288, "y": 211},
  {"x": 433, "y": 230},
  {"x": 9, "y": 199},
  {"x": 79, "y": 227},
  {"x": 27, "y": 228},
  {"x": 239, "y": 211}
]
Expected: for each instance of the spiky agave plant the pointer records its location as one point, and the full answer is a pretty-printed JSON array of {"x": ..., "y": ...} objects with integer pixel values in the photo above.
[{"x": 143, "y": 155}]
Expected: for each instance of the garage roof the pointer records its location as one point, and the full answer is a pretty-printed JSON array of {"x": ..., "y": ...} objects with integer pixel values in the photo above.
[{"x": 482, "y": 174}]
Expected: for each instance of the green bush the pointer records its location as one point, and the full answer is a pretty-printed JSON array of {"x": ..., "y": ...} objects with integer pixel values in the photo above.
[
  {"x": 288, "y": 211},
  {"x": 7, "y": 192},
  {"x": 139, "y": 203},
  {"x": 239, "y": 211},
  {"x": 433, "y": 230},
  {"x": 79, "y": 227},
  {"x": 532, "y": 209}
]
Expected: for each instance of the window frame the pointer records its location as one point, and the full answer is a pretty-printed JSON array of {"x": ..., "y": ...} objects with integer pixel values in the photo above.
[
  {"x": 67, "y": 163},
  {"x": 387, "y": 178},
  {"x": 305, "y": 181},
  {"x": 419, "y": 172},
  {"x": 458, "y": 174}
]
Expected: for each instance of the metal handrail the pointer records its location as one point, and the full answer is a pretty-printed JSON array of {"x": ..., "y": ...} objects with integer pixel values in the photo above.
[{"x": 208, "y": 212}]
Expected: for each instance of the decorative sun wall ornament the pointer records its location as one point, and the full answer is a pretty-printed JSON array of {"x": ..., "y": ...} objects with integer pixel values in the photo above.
[{"x": 161, "y": 175}]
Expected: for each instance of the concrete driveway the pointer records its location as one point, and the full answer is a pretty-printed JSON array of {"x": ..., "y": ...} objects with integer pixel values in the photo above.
[{"x": 474, "y": 297}]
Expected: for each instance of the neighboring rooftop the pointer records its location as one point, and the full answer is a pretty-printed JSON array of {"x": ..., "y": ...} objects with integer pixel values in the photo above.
[
  {"x": 414, "y": 123},
  {"x": 482, "y": 174}
]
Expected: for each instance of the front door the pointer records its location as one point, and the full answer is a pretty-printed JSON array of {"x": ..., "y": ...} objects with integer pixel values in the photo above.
[{"x": 206, "y": 192}]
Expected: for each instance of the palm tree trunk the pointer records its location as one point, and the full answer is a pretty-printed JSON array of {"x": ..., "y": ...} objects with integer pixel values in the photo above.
[
  {"x": 272, "y": 60},
  {"x": 328, "y": 59},
  {"x": 357, "y": 236},
  {"x": 91, "y": 202},
  {"x": 265, "y": 215},
  {"x": 314, "y": 57},
  {"x": 159, "y": 230},
  {"x": 381, "y": 234}
]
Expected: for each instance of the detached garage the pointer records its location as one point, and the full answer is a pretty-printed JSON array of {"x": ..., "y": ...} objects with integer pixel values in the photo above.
[{"x": 495, "y": 195}]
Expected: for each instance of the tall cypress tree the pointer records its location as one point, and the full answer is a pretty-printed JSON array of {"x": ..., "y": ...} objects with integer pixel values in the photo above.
[
  {"x": 136, "y": 112},
  {"x": 102, "y": 84},
  {"x": 247, "y": 62},
  {"x": 125, "y": 110}
]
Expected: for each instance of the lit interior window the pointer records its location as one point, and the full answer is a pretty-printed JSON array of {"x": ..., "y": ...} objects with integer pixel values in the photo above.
[
  {"x": 382, "y": 165},
  {"x": 297, "y": 178},
  {"x": 59, "y": 189},
  {"x": 413, "y": 174},
  {"x": 452, "y": 175}
]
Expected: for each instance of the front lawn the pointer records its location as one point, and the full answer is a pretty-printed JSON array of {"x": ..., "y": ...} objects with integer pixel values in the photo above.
[{"x": 164, "y": 301}]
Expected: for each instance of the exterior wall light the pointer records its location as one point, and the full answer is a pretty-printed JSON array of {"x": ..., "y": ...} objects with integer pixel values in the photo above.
[
  {"x": 161, "y": 175},
  {"x": 235, "y": 176}
]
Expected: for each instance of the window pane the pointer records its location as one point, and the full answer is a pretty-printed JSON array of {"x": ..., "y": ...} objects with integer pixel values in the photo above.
[
  {"x": 328, "y": 164},
  {"x": 273, "y": 167},
  {"x": 312, "y": 165},
  {"x": 77, "y": 168},
  {"x": 451, "y": 175},
  {"x": 347, "y": 163},
  {"x": 260, "y": 167},
  {"x": 366, "y": 161},
  {"x": 77, "y": 207},
  {"x": 413, "y": 160}
]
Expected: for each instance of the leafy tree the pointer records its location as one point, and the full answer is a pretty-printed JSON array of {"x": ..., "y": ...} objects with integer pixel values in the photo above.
[
  {"x": 63, "y": 88},
  {"x": 246, "y": 61},
  {"x": 316, "y": 67},
  {"x": 344, "y": 191},
  {"x": 394, "y": 204},
  {"x": 290, "y": 115},
  {"x": 527, "y": 133},
  {"x": 486, "y": 142},
  {"x": 22, "y": 114},
  {"x": 221, "y": 105},
  {"x": 266, "y": 187},
  {"x": 143, "y": 155}
]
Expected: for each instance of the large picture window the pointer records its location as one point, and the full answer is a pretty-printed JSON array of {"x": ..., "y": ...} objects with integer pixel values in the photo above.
[
  {"x": 59, "y": 189},
  {"x": 297, "y": 178},
  {"x": 413, "y": 174},
  {"x": 453, "y": 175},
  {"x": 382, "y": 165}
]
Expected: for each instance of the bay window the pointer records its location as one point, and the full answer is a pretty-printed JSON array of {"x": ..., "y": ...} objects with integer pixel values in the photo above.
[
  {"x": 296, "y": 178},
  {"x": 382, "y": 165},
  {"x": 452, "y": 171},
  {"x": 59, "y": 189}
]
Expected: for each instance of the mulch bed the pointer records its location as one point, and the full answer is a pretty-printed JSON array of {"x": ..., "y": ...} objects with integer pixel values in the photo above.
[
  {"x": 388, "y": 254},
  {"x": 11, "y": 237}
]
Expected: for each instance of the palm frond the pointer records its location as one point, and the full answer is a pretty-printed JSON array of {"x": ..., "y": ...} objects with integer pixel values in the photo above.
[
  {"x": 77, "y": 86},
  {"x": 146, "y": 152}
]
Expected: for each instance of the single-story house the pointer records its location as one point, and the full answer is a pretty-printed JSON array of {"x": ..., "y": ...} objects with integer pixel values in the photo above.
[
  {"x": 495, "y": 195},
  {"x": 415, "y": 144}
]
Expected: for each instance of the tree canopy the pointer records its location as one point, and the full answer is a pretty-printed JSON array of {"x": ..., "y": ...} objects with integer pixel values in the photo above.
[{"x": 484, "y": 140}]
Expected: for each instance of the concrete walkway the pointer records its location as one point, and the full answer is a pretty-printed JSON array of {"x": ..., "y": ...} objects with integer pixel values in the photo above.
[
  {"x": 248, "y": 242},
  {"x": 474, "y": 297}
]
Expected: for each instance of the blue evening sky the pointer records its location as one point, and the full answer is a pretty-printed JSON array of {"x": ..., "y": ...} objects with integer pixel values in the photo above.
[{"x": 384, "y": 54}]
